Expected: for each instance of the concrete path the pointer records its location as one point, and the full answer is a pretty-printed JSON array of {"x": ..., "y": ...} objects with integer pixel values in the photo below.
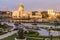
[
  {"x": 7, "y": 34},
  {"x": 44, "y": 32}
]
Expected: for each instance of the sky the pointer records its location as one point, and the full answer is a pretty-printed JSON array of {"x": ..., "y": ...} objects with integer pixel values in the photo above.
[{"x": 30, "y": 5}]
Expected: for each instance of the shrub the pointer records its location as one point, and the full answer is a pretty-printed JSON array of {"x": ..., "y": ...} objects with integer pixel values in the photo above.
[
  {"x": 31, "y": 33},
  {"x": 1, "y": 32}
]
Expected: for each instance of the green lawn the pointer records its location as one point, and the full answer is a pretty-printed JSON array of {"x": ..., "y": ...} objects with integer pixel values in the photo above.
[
  {"x": 10, "y": 37},
  {"x": 30, "y": 34},
  {"x": 13, "y": 36}
]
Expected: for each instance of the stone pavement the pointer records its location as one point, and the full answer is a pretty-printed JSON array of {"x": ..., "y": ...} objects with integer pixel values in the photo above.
[{"x": 7, "y": 34}]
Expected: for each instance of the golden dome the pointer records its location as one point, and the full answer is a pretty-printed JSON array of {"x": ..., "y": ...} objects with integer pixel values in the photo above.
[{"x": 21, "y": 6}]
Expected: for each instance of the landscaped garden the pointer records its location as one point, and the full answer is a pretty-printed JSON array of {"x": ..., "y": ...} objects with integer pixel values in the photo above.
[
  {"x": 31, "y": 33},
  {"x": 13, "y": 37},
  {"x": 51, "y": 28},
  {"x": 55, "y": 29},
  {"x": 4, "y": 28},
  {"x": 10, "y": 37},
  {"x": 1, "y": 32},
  {"x": 34, "y": 34}
]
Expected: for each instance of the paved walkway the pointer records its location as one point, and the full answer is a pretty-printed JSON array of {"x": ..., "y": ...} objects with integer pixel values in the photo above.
[{"x": 8, "y": 34}]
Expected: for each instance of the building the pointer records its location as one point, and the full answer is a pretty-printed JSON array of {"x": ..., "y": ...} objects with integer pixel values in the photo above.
[
  {"x": 50, "y": 11},
  {"x": 52, "y": 15},
  {"x": 57, "y": 16},
  {"x": 5, "y": 15},
  {"x": 37, "y": 16},
  {"x": 25, "y": 16}
]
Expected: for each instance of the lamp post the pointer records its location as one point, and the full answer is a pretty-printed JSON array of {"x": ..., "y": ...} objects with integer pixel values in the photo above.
[{"x": 50, "y": 35}]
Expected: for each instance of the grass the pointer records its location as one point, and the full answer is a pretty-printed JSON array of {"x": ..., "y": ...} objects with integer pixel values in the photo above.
[
  {"x": 33, "y": 39},
  {"x": 55, "y": 29},
  {"x": 31, "y": 34},
  {"x": 13, "y": 36},
  {"x": 10, "y": 37},
  {"x": 1, "y": 32}
]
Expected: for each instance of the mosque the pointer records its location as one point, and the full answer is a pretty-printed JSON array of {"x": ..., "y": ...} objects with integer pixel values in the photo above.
[{"x": 21, "y": 15}]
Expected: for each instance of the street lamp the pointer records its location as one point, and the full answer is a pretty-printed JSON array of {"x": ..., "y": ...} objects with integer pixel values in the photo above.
[{"x": 50, "y": 34}]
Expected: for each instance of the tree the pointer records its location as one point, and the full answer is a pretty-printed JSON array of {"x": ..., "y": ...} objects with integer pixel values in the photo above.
[
  {"x": 56, "y": 23},
  {"x": 58, "y": 16},
  {"x": 44, "y": 14},
  {"x": 5, "y": 26},
  {"x": 34, "y": 12}
]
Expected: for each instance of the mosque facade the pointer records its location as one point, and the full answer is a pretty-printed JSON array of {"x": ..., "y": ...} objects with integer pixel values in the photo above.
[{"x": 24, "y": 16}]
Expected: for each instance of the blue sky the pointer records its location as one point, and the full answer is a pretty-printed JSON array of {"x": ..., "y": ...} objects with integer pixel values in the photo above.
[{"x": 40, "y": 5}]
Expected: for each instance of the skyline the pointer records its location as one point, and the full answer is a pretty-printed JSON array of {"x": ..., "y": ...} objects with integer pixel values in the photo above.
[{"x": 30, "y": 5}]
